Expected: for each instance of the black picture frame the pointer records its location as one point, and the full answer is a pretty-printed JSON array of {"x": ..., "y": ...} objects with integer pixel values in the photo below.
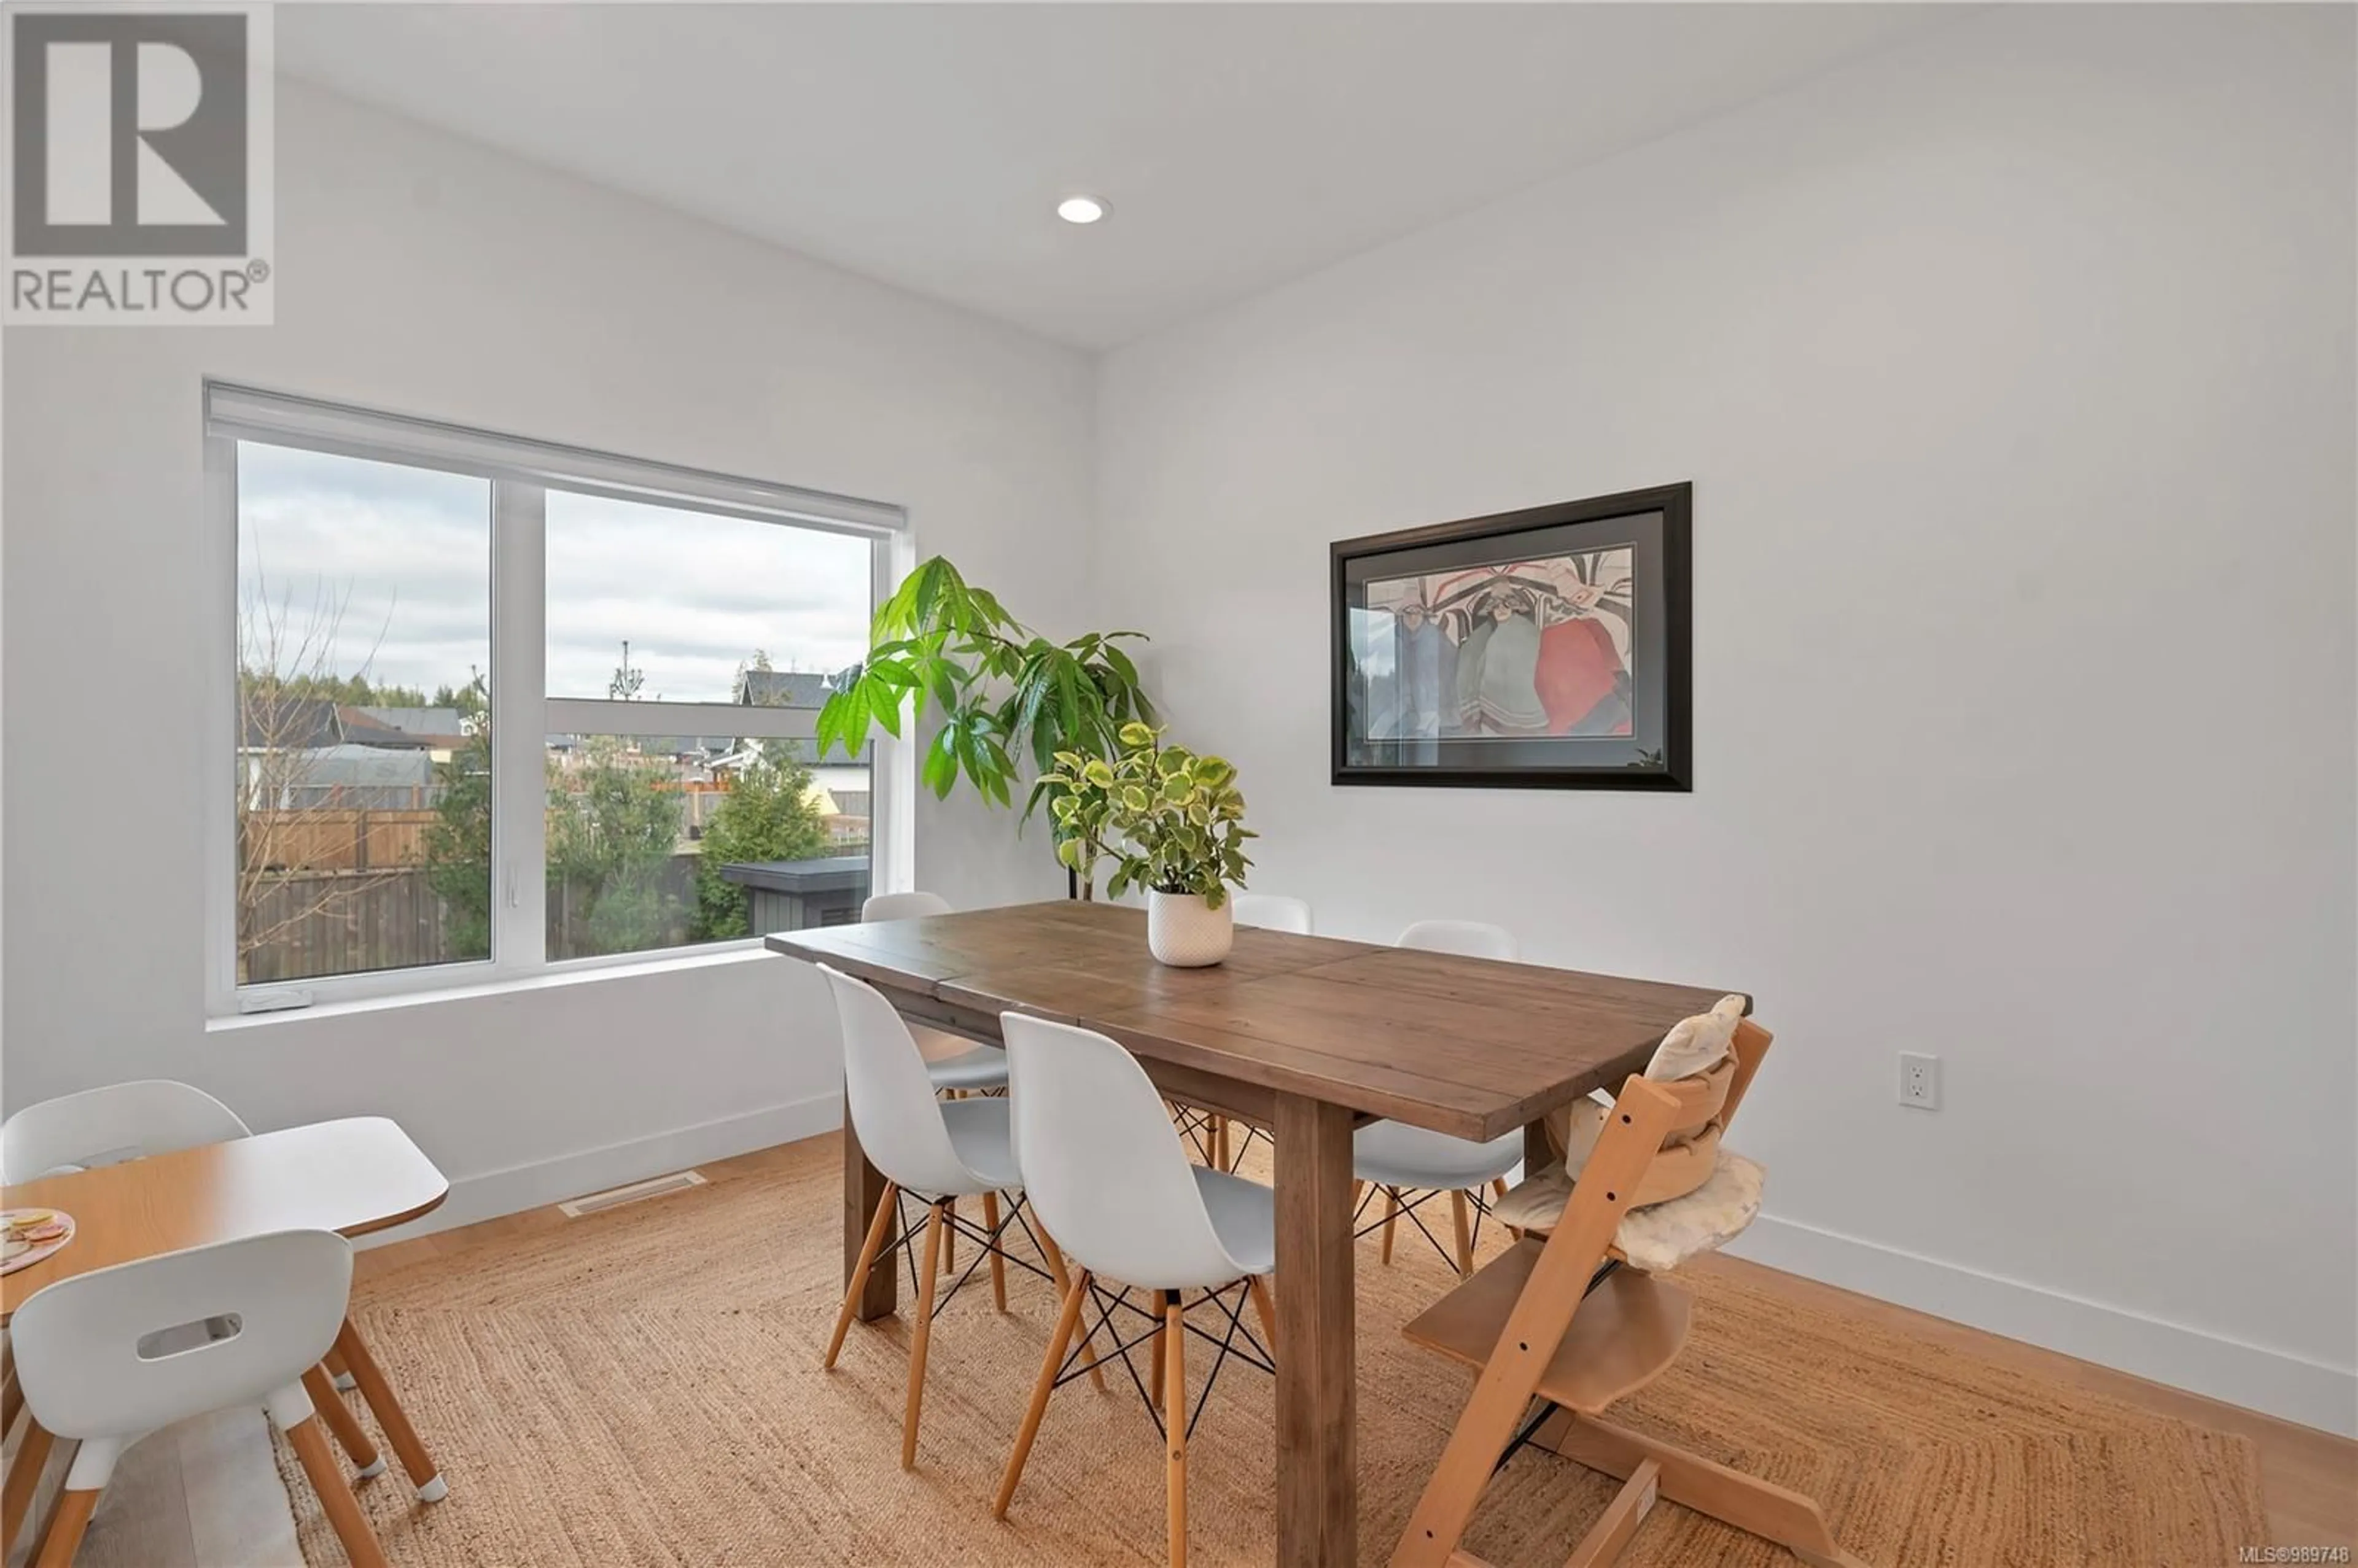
[{"x": 1435, "y": 732}]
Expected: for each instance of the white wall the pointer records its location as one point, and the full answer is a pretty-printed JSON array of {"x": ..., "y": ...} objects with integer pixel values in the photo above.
[
  {"x": 422, "y": 275},
  {"x": 2014, "y": 372}
]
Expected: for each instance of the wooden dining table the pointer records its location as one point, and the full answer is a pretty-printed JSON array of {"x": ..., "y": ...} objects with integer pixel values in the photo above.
[{"x": 1308, "y": 1037}]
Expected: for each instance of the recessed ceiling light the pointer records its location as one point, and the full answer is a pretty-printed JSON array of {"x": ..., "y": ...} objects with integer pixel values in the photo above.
[{"x": 1081, "y": 209}]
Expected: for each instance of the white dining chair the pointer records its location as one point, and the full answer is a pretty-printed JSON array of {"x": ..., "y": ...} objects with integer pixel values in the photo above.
[
  {"x": 937, "y": 1152},
  {"x": 158, "y": 1116},
  {"x": 1273, "y": 912},
  {"x": 1396, "y": 1160},
  {"x": 914, "y": 905},
  {"x": 110, "y": 1356},
  {"x": 978, "y": 1069},
  {"x": 1105, "y": 1171}
]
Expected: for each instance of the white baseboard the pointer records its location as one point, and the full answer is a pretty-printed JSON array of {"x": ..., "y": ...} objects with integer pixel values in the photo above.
[
  {"x": 491, "y": 1193},
  {"x": 2273, "y": 1381}
]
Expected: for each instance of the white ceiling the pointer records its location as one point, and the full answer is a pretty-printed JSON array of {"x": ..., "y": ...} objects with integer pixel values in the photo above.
[{"x": 1240, "y": 145}]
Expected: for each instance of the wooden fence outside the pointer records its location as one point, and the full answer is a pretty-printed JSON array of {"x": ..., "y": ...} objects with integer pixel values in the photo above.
[
  {"x": 345, "y": 922},
  {"x": 336, "y": 838},
  {"x": 351, "y": 922}
]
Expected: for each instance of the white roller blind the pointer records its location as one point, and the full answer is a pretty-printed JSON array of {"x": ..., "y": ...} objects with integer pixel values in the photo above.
[{"x": 251, "y": 414}]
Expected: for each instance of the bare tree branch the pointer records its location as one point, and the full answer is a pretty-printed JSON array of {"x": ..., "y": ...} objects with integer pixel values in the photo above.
[{"x": 287, "y": 820}]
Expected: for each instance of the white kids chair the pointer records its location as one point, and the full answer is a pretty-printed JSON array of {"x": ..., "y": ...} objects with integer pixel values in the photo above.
[
  {"x": 967, "y": 1072},
  {"x": 75, "y": 1132},
  {"x": 157, "y": 1116},
  {"x": 79, "y": 1131},
  {"x": 937, "y": 1152},
  {"x": 107, "y": 1126},
  {"x": 1397, "y": 1160},
  {"x": 101, "y": 1363},
  {"x": 1104, "y": 1169}
]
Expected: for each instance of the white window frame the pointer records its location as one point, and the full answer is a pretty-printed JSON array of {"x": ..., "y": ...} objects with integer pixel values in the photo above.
[{"x": 521, "y": 471}]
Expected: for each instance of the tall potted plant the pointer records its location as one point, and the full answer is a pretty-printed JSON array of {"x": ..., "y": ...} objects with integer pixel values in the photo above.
[
  {"x": 1004, "y": 691},
  {"x": 1172, "y": 821}
]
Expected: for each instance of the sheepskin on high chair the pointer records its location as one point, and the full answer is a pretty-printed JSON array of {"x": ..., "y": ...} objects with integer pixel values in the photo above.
[
  {"x": 1576, "y": 1316},
  {"x": 1698, "y": 1051}
]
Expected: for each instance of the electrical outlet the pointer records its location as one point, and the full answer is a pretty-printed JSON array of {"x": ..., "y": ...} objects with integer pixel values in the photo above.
[{"x": 1919, "y": 1080}]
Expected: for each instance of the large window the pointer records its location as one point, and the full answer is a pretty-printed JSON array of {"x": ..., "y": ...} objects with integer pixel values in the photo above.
[{"x": 497, "y": 705}]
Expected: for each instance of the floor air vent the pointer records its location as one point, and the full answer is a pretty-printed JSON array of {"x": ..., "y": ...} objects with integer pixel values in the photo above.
[{"x": 615, "y": 1197}]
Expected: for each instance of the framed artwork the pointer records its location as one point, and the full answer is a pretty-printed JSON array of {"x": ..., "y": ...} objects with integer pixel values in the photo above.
[{"x": 1537, "y": 649}]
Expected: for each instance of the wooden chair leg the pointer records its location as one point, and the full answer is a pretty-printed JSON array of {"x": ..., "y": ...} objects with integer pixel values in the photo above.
[
  {"x": 45, "y": 1516},
  {"x": 1075, "y": 1295},
  {"x": 340, "y": 1421},
  {"x": 343, "y": 1509},
  {"x": 1757, "y": 1507},
  {"x": 339, "y": 1374},
  {"x": 1220, "y": 1156},
  {"x": 1266, "y": 1310},
  {"x": 1175, "y": 1426},
  {"x": 1056, "y": 1257},
  {"x": 930, "y": 1275},
  {"x": 12, "y": 1397},
  {"x": 24, "y": 1475},
  {"x": 390, "y": 1417},
  {"x": 1154, "y": 1353},
  {"x": 1465, "y": 1234},
  {"x": 868, "y": 1250},
  {"x": 1611, "y": 1532},
  {"x": 66, "y": 1528},
  {"x": 1392, "y": 1214},
  {"x": 1499, "y": 1191},
  {"x": 997, "y": 1263},
  {"x": 950, "y": 1237}
]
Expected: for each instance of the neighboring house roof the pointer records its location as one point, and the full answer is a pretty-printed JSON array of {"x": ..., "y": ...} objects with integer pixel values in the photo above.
[
  {"x": 352, "y": 767},
  {"x": 787, "y": 689},
  {"x": 361, "y": 730},
  {"x": 441, "y": 726},
  {"x": 303, "y": 723},
  {"x": 290, "y": 723}
]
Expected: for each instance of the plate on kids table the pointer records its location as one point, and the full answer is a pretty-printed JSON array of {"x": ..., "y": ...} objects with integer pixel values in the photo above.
[{"x": 30, "y": 1235}]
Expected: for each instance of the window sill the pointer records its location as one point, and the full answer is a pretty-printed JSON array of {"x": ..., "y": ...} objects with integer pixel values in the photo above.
[{"x": 590, "y": 972}]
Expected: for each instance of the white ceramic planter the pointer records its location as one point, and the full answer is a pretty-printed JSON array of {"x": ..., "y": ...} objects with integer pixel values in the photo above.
[{"x": 1186, "y": 933}]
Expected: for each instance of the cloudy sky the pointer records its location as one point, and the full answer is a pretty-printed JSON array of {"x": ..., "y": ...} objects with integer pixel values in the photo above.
[{"x": 392, "y": 567}]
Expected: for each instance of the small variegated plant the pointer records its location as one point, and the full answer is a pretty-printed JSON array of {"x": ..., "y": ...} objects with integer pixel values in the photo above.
[{"x": 1170, "y": 820}]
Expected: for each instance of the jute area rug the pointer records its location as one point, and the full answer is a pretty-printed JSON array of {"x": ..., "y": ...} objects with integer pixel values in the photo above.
[{"x": 643, "y": 1387}]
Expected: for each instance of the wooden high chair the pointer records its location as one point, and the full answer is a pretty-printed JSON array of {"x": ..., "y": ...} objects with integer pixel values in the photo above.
[{"x": 1581, "y": 1318}]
